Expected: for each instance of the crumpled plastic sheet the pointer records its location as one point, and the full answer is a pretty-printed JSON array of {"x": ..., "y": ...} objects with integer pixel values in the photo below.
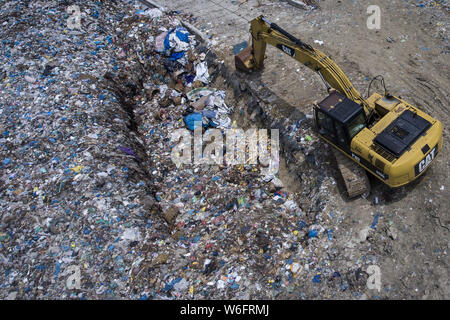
[
  {"x": 201, "y": 72},
  {"x": 176, "y": 42}
]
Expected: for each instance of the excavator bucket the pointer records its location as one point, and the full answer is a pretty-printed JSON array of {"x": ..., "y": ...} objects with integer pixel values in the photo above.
[{"x": 244, "y": 60}]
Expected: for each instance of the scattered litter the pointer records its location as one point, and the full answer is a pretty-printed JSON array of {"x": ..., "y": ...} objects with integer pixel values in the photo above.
[
  {"x": 390, "y": 39},
  {"x": 375, "y": 220}
]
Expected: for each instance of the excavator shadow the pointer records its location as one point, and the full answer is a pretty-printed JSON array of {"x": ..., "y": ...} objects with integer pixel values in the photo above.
[
  {"x": 253, "y": 83},
  {"x": 383, "y": 194}
]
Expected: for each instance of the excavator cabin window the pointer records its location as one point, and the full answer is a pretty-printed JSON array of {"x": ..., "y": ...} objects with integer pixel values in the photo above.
[
  {"x": 341, "y": 136},
  {"x": 339, "y": 119},
  {"x": 356, "y": 125},
  {"x": 337, "y": 132},
  {"x": 325, "y": 124}
]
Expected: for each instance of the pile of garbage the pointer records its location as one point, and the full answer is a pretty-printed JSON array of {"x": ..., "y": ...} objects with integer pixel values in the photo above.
[
  {"x": 234, "y": 233},
  {"x": 93, "y": 205},
  {"x": 74, "y": 192}
]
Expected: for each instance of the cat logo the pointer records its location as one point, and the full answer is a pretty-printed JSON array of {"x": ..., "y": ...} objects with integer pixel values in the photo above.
[
  {"x": 422, "y": 165},
  {"x": 286, "y": 49}
]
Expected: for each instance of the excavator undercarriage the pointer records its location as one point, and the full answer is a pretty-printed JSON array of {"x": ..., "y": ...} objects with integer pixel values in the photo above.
[{"x": 355, "y": 178}]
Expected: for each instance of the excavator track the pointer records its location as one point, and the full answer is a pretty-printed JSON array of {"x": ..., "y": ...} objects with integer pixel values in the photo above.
[{"x": 355, "y": 177}]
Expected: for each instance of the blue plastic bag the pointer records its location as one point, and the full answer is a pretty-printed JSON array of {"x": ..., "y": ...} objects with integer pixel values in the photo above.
[
  {"x": 181, "y": 33},
  {"x": 190, "y": 120}
]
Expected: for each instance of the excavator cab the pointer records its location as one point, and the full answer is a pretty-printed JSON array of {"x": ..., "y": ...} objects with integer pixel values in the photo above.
[{"x": 339, "y": 119}]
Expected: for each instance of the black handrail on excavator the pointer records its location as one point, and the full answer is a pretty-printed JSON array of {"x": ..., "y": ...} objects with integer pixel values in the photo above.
[{"x": 295, "y": 40}]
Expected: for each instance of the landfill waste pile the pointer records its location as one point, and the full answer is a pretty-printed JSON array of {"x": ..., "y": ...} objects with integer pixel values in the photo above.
[{"x": 92, "y": 205}]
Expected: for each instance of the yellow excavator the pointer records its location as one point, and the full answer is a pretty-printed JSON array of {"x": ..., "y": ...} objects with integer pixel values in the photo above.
[{"x": 382, "y": 134}]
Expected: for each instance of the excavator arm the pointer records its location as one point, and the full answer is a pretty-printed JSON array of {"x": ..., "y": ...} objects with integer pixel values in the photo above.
[{"x": 263, "y": 31}]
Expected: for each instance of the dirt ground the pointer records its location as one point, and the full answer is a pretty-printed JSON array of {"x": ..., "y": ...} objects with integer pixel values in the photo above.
[{"x": 410, "y": 51}]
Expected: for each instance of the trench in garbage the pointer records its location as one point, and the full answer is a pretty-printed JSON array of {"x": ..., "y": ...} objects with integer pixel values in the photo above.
[{"x": 248, "y": 112}]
